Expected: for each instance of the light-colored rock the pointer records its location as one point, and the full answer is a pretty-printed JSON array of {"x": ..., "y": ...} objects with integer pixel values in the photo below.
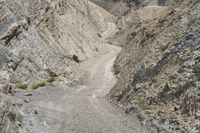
[
  {"x": 4, "y": 81},
  {"x": 38, "y": 38},
  {"x": 44, "y": 35},
  {"x": 158, "y": 68},
  {"x": 3, "y": 107}
]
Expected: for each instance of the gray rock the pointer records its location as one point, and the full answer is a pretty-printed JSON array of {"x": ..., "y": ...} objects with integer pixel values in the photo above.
[
  {"x": 158, "y": 67},
  {"x": 26, "y": 100},
  {"x": 4, "y": 82},
  {"x": 4, "y": 56}
]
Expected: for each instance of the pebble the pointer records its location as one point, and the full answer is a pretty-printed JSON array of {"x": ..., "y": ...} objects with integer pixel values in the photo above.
[
  {"x": 26, "y": 100},
  {"x": 28, "y": 94}
]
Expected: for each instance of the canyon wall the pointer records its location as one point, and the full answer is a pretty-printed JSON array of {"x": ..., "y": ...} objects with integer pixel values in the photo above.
[
  {"x": 44, "y": 38},
  {"x": 158, "y": 69}
]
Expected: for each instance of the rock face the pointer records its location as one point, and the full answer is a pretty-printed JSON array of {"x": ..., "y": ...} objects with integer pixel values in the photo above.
[
  {"x": 38, "y": 38},
  {"x": 158, "y": 69},
  {"x": 122, "y": 7},
  {"x": 4, "y": 82},
  {"x": 135, "y": 19},
  {"x": 7, "y": 114},
  {"x": 132, "y": 14},
  {"x": 106, "y": 4},
  {"x": 3, "y": 108}
]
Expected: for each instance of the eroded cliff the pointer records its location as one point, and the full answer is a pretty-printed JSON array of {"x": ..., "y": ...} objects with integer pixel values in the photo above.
[
  {"x": 158, "y": 69},
  {"x": 40, "y": 40}
]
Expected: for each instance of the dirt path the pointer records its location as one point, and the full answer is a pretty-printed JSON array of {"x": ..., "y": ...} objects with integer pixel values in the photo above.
[{"x": 83, "y": 109}]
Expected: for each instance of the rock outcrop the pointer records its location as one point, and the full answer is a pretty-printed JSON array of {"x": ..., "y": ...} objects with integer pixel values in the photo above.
[
  {"x": 158, "y": 69},
  {"x": 128, "y": 24},
  {"x": 120, "y": 8},
  {"x": 41, "y": 39},
  {"x": 9, "y": 113},
  {"x": 36, "y": 34}
]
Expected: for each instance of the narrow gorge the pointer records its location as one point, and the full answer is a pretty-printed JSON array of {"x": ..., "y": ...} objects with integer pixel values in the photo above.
[{"x": 99, "y": 66}]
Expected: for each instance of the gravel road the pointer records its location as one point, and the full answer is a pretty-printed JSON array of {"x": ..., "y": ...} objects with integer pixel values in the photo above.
[{"x": 83, "y": 109}]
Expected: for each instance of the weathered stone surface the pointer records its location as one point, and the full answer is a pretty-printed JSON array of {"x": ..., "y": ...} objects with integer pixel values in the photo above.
[
  {"x": 4, "y": 81},
  {"x": 44, "y": 35},
  {"x": 158, "y": 68},
  {"x": 4, "y": 56},
  {"x": 3, "y": 107},
  {"x": 10, "y": 115},
  {"x": 40, "y": 38}
]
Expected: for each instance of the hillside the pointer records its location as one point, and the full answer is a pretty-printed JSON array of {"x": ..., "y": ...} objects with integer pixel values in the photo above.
[
  {"x": 158, "y": 70},
  {"x": 120, "y": 8},
  {"x": 99, "y": 66},
  {"x": 43, "y": 39}
]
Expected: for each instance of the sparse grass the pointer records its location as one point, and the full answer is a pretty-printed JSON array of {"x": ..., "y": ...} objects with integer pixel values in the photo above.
[
  {"x": 21, "y": 86},
  {"x": 42, "y": 83},
  {"x": 142, "y": 104},
  {"x": 193, "y": 22},
  {"x": 38, "y": 84}
]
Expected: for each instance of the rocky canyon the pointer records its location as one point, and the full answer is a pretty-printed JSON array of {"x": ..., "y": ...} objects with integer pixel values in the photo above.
[{"x": 99, "y": 66}]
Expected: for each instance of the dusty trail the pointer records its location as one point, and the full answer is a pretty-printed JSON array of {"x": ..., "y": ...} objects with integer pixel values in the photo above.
[{"x": 84, "y": 109}]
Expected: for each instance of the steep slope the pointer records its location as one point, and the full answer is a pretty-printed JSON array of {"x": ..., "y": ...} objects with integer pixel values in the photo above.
[
  {"x": 58, "y": 108},
  {"x": 133, "y": 14},
  {"x": 120, "y": 8},
  {"x": 158, "y": 70},
  {"x": 39, "y": 33},
  {"x": 135, "y": 19},
  {"x": 43, "y": 39},
  {"x": 106, "y": 4}
]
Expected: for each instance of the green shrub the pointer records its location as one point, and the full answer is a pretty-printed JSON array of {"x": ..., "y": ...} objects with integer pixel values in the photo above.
[
  {"x": 42, "y": 83},
  {"x": 75, "y": 58},
  {"x": 21, "y": 86},
  {"x": 38, "y": 84}
]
